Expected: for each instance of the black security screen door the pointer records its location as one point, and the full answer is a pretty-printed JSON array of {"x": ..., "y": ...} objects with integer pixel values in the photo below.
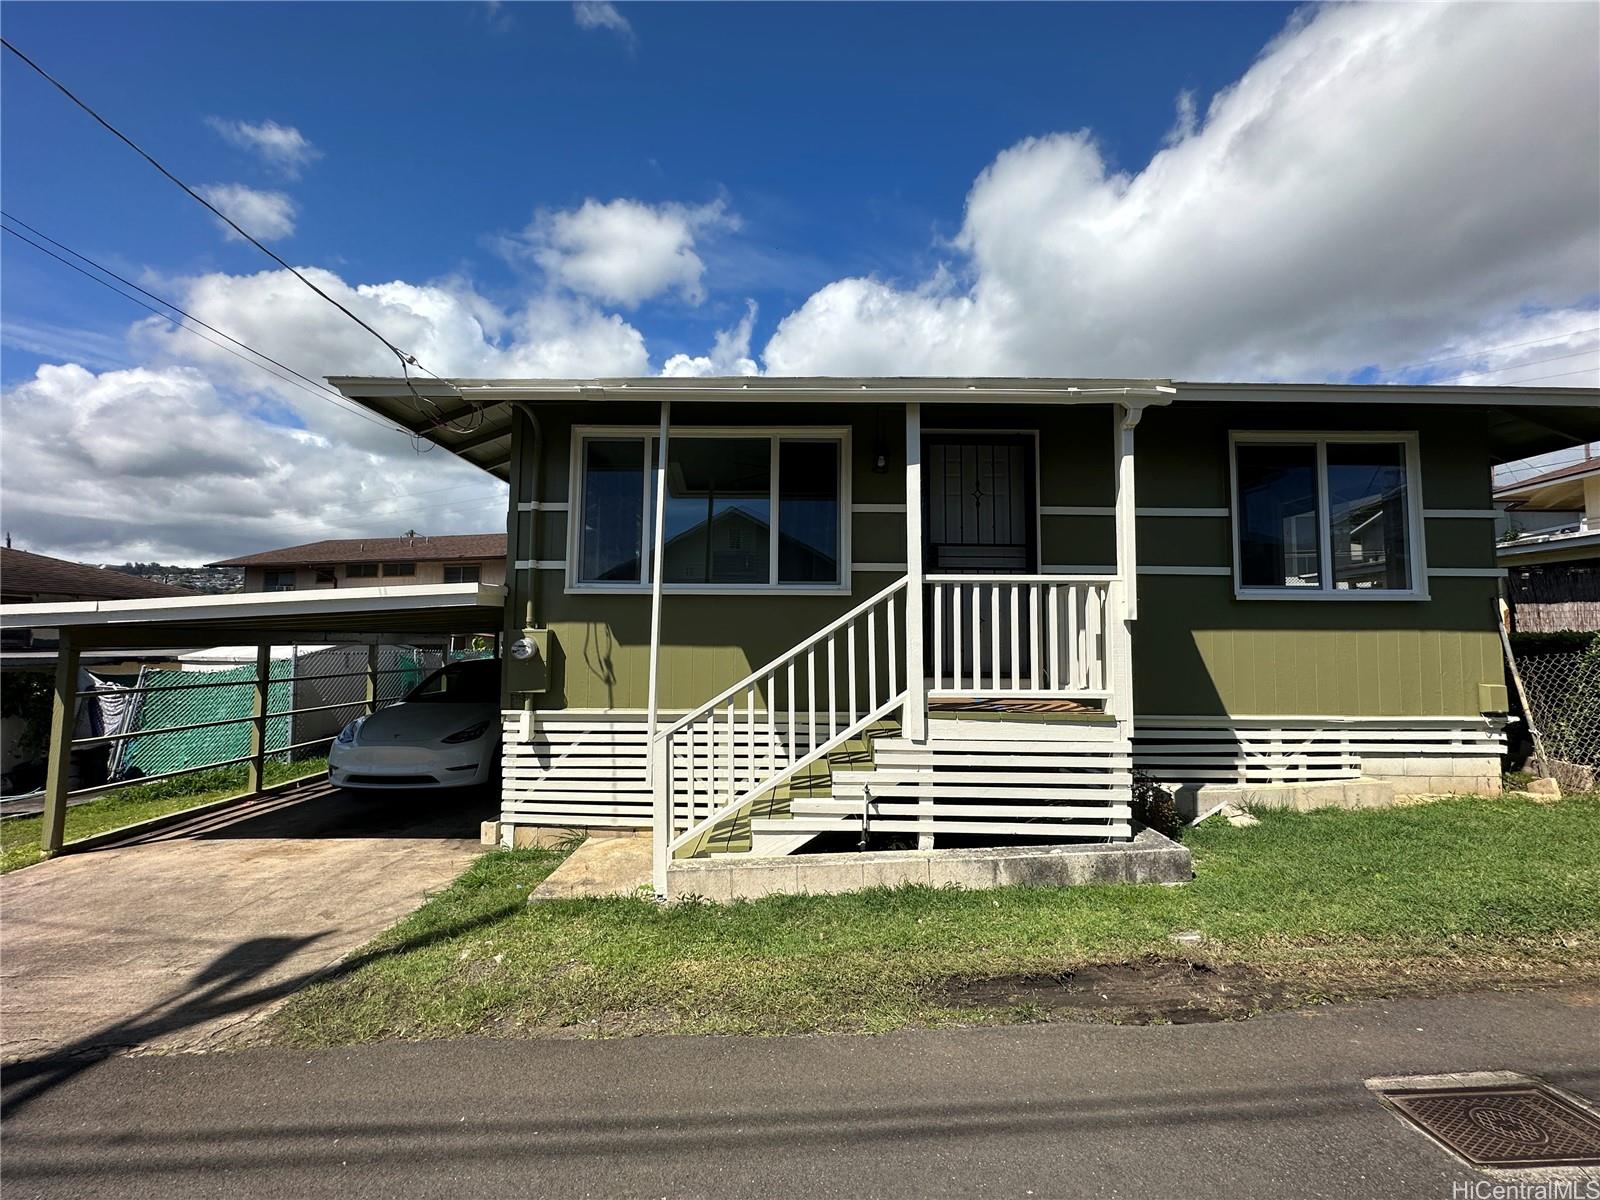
[
  {"x": 980, "y": 519},
  {"x": 980, "y": 513}
]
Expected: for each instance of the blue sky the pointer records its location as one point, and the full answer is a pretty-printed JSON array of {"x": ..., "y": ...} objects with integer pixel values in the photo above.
[
  {"x": 1201, "y": 191},
  {"x": 845, "y": 136}
]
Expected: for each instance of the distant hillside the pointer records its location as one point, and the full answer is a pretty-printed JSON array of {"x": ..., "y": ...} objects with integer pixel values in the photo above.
[{"x": 214, "y": 580}]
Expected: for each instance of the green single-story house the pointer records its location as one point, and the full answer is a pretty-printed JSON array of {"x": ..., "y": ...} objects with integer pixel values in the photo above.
[{"x": 953, "y": 612}]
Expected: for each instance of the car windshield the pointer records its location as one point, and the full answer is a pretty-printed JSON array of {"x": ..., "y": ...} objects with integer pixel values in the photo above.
[{"x": 475, "y": 682}]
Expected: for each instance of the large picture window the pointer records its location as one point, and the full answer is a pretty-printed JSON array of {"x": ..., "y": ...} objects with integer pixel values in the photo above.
[
  {"x": 743, "y": 509},
  {"x": 1325, "y": 515}
]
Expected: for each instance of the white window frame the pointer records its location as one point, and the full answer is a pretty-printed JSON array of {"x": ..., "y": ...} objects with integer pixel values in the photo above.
[
  {"x": 1320, "y": 439},
  {"x": 650, "y": 433}
]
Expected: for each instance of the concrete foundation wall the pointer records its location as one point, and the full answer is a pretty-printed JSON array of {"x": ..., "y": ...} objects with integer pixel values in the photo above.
[{"x": 1414, "y": 775}]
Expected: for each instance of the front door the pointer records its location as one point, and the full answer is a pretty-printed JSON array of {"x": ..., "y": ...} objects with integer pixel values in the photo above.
[{"x": 980, "y": 518}]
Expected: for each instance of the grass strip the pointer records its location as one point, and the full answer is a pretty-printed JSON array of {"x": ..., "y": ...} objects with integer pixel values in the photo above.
[{"x": 1448, "y": 895}]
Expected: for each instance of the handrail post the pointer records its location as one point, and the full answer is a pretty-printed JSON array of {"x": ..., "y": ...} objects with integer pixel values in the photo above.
[
  {"x": 914, "y": 717},
  {"x": 63, "y": 722},
  {"x": 255, "y": 770},
  {"x": 661, "y": 811}
]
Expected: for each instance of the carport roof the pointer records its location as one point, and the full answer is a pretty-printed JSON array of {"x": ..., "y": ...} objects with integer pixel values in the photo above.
[{"x": 263, "y": 617}]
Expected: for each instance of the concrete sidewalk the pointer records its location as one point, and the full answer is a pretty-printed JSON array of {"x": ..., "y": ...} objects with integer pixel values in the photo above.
[
  {"x": 180, "y": 938},
  {"x": 1273, "y": 1106}
]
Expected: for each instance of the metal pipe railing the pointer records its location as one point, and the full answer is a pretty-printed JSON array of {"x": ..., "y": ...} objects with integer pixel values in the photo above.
[{"x": 184, "y": 687}]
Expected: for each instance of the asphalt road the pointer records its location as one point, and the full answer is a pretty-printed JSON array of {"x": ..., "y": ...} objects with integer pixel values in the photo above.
[{"x": 1274, "y": 1106}]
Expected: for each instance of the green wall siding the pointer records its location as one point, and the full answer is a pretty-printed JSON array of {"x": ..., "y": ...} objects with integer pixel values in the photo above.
[{"x": 1197, "y": 650}]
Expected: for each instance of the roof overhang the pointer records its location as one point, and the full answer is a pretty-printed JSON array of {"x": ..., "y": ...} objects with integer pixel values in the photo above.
[
  {"x": 1561, "y": 547},
  {"x": 472, "y": 418},
  {"x": 1562, "y": 494},
  {"x": 269, "y": 617}
]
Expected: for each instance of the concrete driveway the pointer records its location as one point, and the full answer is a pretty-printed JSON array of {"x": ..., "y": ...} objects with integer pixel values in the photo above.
[{"x": 180, "y": 939}]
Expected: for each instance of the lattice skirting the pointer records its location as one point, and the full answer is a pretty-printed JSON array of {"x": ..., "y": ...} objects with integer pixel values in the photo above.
[
  {"x": 592, "y": 770},
  {"x": 1195, "y": 750},
  {"x": 588, "y": 769}
]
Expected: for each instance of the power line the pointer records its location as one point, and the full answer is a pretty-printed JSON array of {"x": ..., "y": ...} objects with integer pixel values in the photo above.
[
  {"x": 325, "y": 393},
  {"x": 1519, "y": 366},
  {"x": 1547, "y": 378},
  {"x": 1479, "y": 353},
  {"x": 406, "y": 360},
  {"x": 105, "y": 270}
]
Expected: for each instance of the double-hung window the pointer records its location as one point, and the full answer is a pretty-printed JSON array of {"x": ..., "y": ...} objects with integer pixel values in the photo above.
[
  {"x": 744, "y": 509},
  {"x": 1326, "y": 515}
]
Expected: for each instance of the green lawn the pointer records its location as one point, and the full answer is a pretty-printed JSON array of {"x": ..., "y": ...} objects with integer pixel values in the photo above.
[
  {"x": 19, "y": 836},
  {"x": 1444, "y": 896}
]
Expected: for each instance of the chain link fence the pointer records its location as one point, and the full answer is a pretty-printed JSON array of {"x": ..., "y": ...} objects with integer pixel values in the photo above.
[{"x": 1563, "y": 688}]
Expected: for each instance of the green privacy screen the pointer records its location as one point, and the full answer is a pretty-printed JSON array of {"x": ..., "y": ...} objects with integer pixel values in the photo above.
[{"x": 171, "y": 703}]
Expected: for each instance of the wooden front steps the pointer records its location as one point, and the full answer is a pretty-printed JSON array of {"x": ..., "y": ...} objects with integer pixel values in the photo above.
[
  {"x": 1055, "y": 776},
  {"x": 766, "y": 826}
]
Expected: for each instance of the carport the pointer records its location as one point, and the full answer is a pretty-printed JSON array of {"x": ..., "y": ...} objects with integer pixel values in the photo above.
[{"x": 370, "y": 616}]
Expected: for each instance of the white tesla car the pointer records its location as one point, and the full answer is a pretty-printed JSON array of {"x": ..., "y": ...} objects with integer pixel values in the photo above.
[{"x": 445, "y": 733}]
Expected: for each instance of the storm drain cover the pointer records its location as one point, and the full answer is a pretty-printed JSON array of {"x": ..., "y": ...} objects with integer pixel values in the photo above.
[{"x": 1517, "y": 1125}]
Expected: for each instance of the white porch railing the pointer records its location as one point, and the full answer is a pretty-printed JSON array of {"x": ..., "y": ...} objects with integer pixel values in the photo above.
[
  {"x": 1046, "y": 636},
  {"x": 778, "y": 720}
]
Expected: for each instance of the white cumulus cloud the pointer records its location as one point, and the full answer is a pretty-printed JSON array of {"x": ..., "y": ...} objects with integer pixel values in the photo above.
[
  {"x": 602, "y": 14},
  {"x": 265, "y": 216},
  {"x": 282, "y": 147},
  {"x": 1371, "y": 190},
  {"x": 622, "y": 252},
  {"x": 730, "y": 352},
  {"x": 161, "y": 463}
]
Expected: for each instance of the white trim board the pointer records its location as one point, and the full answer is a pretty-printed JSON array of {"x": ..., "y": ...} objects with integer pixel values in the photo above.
[
  {"x": 542, "y": 506},
  {"x": 1486, "y": 514},
  {"x": 877, "y": 508},
  {"x": 1155, "y": 569},
  {"x": 1077, "y": 510},
  {"x": 1180, "y": 512},
  {"x": 1467, "y": 572},
  {"x": 887, "y": 567}
]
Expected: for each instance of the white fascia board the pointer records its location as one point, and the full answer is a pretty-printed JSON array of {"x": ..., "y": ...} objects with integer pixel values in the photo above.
[
  {"x": 254, "y": 604},
  {"x": 1344, "y": 393},
  {"x": 777, "y": 390}
]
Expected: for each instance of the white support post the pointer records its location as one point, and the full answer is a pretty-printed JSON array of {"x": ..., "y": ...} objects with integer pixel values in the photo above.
[
  {"x": 1119, "y": 641},
  {"x": 660, "y": 766},
  {"x": 915, "y": 718}
]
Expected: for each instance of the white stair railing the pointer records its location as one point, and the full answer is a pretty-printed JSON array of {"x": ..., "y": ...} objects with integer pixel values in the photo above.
[
  {"x": 776, "y": 721},
  {"x": 1046, "y": 636}
]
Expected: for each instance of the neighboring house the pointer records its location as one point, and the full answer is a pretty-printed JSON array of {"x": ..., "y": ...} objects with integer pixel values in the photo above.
[
  {"x": 371, "y": 562},
  {"x": 932, "y": 612},
  {"x": 30, "y": 654},
  {"x": 28, "y": 578},
  {"x": 1554, "y": 564}
]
